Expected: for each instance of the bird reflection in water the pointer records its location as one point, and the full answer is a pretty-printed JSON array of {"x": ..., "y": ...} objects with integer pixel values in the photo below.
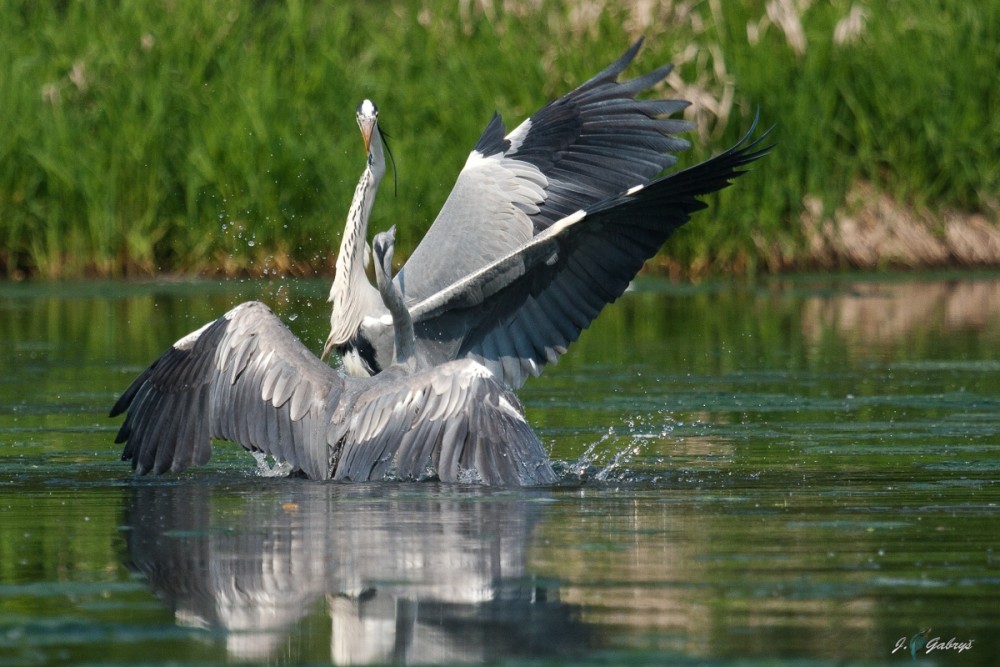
[{"x": 404, "y": 576}]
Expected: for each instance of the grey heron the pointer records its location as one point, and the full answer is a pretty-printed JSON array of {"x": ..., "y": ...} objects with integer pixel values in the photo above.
[
  {"x": 543, "y": 228},
  {"x": 351, "y": 294},
  {"x": 246, "y": 378}
]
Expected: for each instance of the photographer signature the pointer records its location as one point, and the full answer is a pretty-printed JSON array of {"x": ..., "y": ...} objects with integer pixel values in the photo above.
[{"x": 922, "y": 640}]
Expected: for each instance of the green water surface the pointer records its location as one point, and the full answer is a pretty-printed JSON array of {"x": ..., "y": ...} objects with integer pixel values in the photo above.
[{"x": 798, "y": 471}]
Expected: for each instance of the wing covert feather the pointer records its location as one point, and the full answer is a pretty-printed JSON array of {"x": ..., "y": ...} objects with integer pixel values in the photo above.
[
  {"x": 439, "y": 423},
  {"x": 593, "y": 142},
  {"x": 560, "y": 281},
  {"x": 244, "y": 377}
]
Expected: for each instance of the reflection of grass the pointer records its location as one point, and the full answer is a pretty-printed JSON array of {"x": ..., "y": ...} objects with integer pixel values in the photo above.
[{"x": 220, "y": 136}]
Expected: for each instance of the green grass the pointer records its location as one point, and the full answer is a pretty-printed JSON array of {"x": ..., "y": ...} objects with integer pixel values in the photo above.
[{"x": 141, "y": 137}]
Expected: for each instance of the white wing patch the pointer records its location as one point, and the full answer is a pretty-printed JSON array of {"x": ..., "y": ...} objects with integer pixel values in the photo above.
[
  {"x": 570, "y": 219},
  {"x": 370, "y": 322},
  {"x": 510, "y": 409},
  {"x": 188, "y": 341},
  {"x": 475, "y": 369},
  {"x": 518, "y": 135}
]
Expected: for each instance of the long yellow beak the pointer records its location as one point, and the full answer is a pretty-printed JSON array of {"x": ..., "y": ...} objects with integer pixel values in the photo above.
[{"x": 367, "y": 130}]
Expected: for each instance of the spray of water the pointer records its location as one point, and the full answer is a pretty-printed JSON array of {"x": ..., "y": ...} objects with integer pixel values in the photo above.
[
  {"x": 619, "y": 454},
  {"x": 267, "y": 466}
]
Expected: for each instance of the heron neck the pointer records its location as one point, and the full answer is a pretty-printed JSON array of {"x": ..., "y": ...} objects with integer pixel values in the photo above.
[
  {"x": 402, "y": 323},
  {"x": 351, "y": 293}
]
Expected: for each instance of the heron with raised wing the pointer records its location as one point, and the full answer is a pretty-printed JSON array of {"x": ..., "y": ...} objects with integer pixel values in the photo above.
[
  {"x": 246, "y": 378},
  {"x": 544, "y": 227}
]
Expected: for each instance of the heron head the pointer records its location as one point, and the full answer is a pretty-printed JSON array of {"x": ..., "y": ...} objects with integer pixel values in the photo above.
[{"x": 367, "y": 116}]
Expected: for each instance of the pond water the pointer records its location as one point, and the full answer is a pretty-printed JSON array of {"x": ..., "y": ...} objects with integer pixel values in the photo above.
[{"x": 803, "y": 470}]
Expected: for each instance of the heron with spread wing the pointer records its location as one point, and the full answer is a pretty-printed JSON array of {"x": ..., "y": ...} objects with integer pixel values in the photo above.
[
  {"x": 246, "y": 378},
  {"x": 544, "y": 227}
]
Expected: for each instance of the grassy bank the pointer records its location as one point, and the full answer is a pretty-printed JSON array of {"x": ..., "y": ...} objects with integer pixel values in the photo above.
[{"x": 141, "y": 137}]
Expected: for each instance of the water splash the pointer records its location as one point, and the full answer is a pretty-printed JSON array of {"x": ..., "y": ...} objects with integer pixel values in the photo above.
[
  {"x": 618, "y": 456},
  {"x": 268, "y": 466},
  {"x": 615, "y": 456}
]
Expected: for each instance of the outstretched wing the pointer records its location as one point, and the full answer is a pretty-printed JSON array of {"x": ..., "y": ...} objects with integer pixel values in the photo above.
[
  {"x": 593, "y": 142},
  {"x": 244, "y": 377},
  {"x": 454, "y": 422},
  {"x": 523, "y": 310}
]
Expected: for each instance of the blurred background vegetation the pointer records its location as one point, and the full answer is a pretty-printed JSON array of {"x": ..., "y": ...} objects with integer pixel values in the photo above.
[{"x": 218, "y": 137}]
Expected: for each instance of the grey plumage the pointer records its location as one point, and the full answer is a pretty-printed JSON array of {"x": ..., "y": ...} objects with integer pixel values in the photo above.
[
  {"x": 491, "y": 280},
  {"x": 525, "y": 308},
  {"x": 404, "y": 345},
  {"x": 545, "y": 226},
  {"x": 246, "y": 378}
]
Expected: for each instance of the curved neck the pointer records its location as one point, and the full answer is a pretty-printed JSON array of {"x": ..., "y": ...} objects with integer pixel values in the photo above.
[
  {"x": 351, "y": 293},
  {"x": 402, "y": 323}
]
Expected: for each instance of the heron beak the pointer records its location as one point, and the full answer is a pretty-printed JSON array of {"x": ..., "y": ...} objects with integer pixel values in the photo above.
[{"x": 367, "y": 130}]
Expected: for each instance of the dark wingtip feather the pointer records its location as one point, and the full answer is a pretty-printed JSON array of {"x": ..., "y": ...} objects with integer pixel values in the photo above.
[
  {"x": 753, "y": 150},
  {"x": 611, "y": 72},
  {"x": 492, "y": 140},
  {"x": 153, "y": 400},
  {"x": 125, "y": 400}
]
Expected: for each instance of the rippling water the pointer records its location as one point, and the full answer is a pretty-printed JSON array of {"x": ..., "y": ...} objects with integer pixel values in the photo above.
[{"x": 800, "y": 471}]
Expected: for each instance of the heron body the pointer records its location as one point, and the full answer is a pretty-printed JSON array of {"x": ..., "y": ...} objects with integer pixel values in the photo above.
[
  {"x": 246, "y": 378},
  {"x": 354, "y": 299},
  {"x": 545, "y": 226}
]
